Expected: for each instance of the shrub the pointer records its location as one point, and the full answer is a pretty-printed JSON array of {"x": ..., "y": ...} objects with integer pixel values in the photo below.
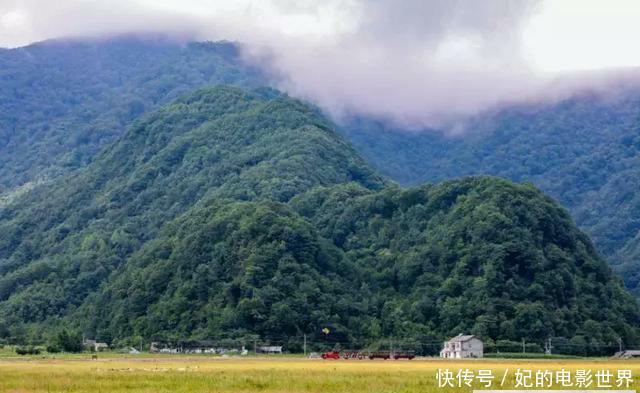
[
  {"x": 27, "y": 350},
  {"x": 66, "y": 341},
  {"x": 52, "y": 348}
]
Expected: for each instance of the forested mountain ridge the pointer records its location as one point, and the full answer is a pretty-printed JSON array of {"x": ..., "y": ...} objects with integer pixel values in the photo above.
[
  {"x": 62, "y": 240},
  {"x": 61, "y": 101},
  {"x": 232, "y": 212},
  {"x": 479, "y": 255},
  {"x": 584, "y": 151}
]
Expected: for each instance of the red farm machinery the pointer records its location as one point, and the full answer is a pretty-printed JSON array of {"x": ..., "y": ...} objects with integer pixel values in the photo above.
[{"x": 360, "y": 355}]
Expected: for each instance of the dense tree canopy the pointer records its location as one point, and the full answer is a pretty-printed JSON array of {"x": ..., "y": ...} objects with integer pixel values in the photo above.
[
  {"x": 232, "y": 212},
  {"x": 583, "y": 151},
  {"x": 480, "y": 255},
  {"x": 62, "y": 240},
  {"x": 62, "y": 101}
]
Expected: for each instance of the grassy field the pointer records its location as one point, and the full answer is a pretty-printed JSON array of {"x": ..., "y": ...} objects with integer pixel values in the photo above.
[{"x": 200, "y": 374}]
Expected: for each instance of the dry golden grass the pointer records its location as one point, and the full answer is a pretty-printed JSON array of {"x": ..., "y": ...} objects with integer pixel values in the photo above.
[{"x": 198, "y": 374}]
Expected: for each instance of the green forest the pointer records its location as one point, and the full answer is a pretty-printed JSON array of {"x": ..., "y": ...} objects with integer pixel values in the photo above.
[
  {"x": 63, "y": 101},
  {"x": 584, "y": 152},
  {"x": 143, "y": 197},
  {"x": 233, "y": 212}
]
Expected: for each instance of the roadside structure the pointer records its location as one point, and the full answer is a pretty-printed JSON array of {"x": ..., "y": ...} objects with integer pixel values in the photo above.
[
  {"x": 462, "y": 347},
  {"x": 94, "y": 345},
  {"x": 269, "y": 349}
]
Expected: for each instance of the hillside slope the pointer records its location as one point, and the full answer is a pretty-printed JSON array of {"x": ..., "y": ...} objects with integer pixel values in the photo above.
[
  {"x": 62, "y": 240},
  {"x": 229, "y": 213},
  {"x": 479, "y": 255},
  {"x": 585, "y": 152},
  {"x": 62, "y": 101}
]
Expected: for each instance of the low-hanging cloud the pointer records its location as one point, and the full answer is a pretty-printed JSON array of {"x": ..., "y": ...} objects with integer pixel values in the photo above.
[
  {"x": 416, "y": 62},
  {"x": 421, "y": 62}
]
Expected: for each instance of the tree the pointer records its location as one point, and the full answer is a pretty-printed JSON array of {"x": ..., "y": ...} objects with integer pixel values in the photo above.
[{"x": 66, "y": 341}]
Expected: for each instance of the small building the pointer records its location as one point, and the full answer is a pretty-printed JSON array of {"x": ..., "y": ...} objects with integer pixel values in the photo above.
[
  {"x": 462, "y": 346},
  {"x": 94, "y": 345},
  {"x": 269, "y": 349},
  {"x": 194, "y": 347},
  {"x": 627, "y": 354}
]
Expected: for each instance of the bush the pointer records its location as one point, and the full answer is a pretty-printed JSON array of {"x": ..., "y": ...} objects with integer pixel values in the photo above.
[
  {"x": 52, "y": 348},
  {"x": 66, "y": 341},
  {"x": 533, "y": 348},
  {"x": 28, "y": 350},
  {"x": 512, "y": 347}
]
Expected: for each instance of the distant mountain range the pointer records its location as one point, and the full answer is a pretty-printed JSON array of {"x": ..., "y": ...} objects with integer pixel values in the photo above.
[
  {"x": 235, "y": 211},
  {"x": 62, "y": 101},
  {"x": 585, "y": 152},
  {"x": 229, "y": 213}
]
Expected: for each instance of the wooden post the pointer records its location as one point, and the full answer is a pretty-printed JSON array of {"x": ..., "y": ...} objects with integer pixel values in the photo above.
[{"x": 304, "y": 346}]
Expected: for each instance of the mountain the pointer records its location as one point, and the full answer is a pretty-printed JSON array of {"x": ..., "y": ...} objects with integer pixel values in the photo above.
[
  {"x": 584, "y": 151},
  {"x": 479, "y": 255},
  {"x": 62, "y": 101},
  {"x": 65, "y": 239},
  {"x": 230, "y": 213}
]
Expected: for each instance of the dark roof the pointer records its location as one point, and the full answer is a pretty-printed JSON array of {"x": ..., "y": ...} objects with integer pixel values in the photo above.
[{"x": 462, "y": 338}]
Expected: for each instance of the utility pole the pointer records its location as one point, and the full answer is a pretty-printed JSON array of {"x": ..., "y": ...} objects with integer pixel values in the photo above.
[
  {"x": 620, "y": 343},
  {"x": 523, "y": 346},
  {"x": 304, "y": 346},
  {"x": 548, "y": 346},
  {"x": 391, "y": 348}
]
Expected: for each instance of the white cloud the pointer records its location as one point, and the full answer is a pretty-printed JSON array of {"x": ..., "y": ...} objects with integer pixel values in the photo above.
[
  {"x": 13, "y": 20},
  {"x": 571, "y": 35},
  {"x": 418, "y": 62}
]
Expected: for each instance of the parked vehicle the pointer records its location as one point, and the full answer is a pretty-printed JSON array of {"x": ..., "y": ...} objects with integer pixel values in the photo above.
[
  {"x": 331, "y": 355},
  {"x": 392, "y": 355},
  {"x": 352, "y": 355},
  {"x": 359, "y": 355},
  {"x": 380, "y": 355}
]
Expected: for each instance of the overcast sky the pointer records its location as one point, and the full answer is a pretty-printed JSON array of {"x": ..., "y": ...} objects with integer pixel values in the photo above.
[{"x": 419, "y": 62}]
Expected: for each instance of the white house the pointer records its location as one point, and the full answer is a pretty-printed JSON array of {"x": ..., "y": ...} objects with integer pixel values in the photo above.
[
  {"x": 269, "y": 349},
  {"x": 94, "y": 345},
  {"x": 462, "y": 346}
]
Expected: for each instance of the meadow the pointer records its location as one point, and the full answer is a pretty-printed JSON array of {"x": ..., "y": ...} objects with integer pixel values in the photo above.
[{"x": 145, "y": 373}]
